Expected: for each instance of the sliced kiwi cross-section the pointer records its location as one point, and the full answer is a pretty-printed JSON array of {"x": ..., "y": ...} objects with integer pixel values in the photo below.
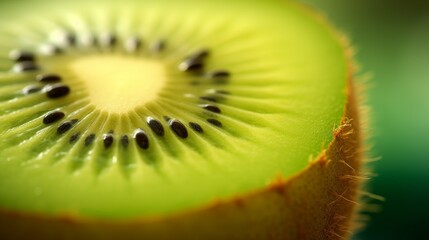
[{"x": 176, "y": 120}]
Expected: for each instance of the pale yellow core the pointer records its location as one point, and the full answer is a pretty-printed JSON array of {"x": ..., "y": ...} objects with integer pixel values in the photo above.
[{"x": 119, "y": 84}]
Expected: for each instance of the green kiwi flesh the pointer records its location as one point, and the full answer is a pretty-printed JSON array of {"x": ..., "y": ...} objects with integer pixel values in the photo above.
[{"x": 279, "y": 93}]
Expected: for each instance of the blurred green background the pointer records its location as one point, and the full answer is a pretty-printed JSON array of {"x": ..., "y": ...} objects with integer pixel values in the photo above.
[{"x": 392, "y": 42}]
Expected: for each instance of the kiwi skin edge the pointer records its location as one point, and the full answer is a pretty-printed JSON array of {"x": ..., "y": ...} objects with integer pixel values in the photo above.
[{"x": 320, "y": 202}]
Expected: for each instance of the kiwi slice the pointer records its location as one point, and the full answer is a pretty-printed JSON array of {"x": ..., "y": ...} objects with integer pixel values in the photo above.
[{"x": 176, "y": 120}]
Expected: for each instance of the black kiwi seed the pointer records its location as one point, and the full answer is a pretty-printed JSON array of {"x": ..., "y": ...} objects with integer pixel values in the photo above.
[
  {"x": 141, "y": 139},
  {"x": 200, "y": 54},
  {"x": 89, "y": 139},
  {"x": 108, "y": 140},
  {"x": 208, "y": 98},
  {"x": 194, "y": 62},
  {"x": 124, "y": 141},
  {"x": 178, "y": 128},
  {"x": 158, "y": 46},
  {"x": 218, "y": 74},
  {"x": 196, "y": 127},
  {"x": 219, "y": 77},
  {"x": 31, "y": 89},
  {"x": 211, "y": 108},
  {"x": 108, "y": 40},
  {"x": 49, "y": 50},
  {"x": 64, "y": 127},
  {"x": 74, "y": 137},
  {"x": 22, "y": 56},
  {"x": 56, "y": 90},
  {"x": 214, "y": 122},
  {"x": 191, "y": 65},
  {"x": 25, "y": 66},
  {"x": 53, "y": 116},
  {"x": 167, "y": 118},
  {"x": 155, "y": 125},
  {"x": 133, "y": 44},
  {"x": 68, "y": 38},
  {"x": 48, "y": 78},
  {"x": 217, "y": 91}
]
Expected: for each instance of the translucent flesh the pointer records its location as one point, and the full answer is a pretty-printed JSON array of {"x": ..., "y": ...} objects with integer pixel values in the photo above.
[
  {"x": 131, "y": 82},
  {"x": 288, "y": 91}
]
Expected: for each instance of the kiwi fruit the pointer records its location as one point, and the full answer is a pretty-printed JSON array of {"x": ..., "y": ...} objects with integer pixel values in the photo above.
[{"x": 176, "y": 120}]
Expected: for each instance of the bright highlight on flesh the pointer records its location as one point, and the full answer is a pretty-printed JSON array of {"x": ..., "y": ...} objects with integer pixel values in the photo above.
[{"x": 131, "y": 82}]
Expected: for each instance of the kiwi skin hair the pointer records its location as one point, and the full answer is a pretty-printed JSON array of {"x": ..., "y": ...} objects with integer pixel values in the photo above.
[{"x": 318, "y": 202}]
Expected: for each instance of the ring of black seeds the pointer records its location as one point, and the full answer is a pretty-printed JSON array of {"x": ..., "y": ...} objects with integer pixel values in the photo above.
[{"x": 194, "y": 63}]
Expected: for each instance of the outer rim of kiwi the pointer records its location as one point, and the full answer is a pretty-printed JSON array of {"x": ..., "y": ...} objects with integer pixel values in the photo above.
[{"x": 332, "y": 205}]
